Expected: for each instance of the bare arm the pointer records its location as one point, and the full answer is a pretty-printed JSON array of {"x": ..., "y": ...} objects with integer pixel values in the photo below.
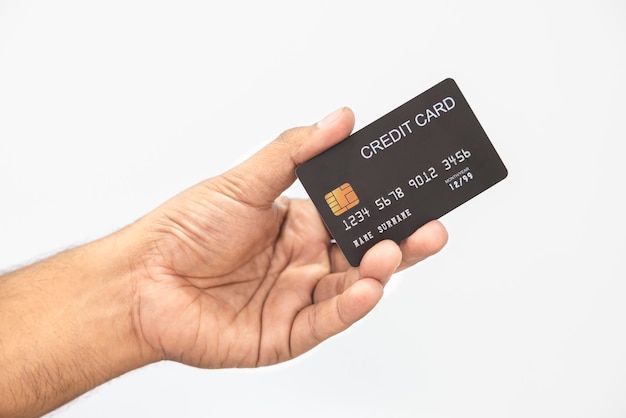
[
  {"x": 66, "y": 327},
  {"x": 229, "y": 273}
]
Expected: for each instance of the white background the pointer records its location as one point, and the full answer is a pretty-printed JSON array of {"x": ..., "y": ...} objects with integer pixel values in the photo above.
[{"x": 109, "y": 108}]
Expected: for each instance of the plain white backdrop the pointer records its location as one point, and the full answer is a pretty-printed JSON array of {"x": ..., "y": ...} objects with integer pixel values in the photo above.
[{"x": 109, "y": 108}]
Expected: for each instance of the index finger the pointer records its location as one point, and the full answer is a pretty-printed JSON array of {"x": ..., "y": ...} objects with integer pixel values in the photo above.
[{"x": 426, "y": 241}]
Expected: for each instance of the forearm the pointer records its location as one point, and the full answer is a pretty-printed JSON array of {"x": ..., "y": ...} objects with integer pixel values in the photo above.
[{"x": 66, "y": 326}]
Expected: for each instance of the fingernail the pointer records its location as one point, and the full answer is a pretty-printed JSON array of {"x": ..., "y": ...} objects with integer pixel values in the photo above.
[{"x": 328, "y": 120}]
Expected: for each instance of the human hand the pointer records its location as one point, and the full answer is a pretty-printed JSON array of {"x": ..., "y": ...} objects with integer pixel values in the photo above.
[
  {"x": 232, "y": 274},
  {"x": 229, "y": 273}
]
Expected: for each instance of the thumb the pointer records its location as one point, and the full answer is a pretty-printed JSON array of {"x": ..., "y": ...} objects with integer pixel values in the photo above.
[{"x": 269, "y": 172}]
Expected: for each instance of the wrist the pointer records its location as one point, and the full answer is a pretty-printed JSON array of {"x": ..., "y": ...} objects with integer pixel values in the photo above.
[{"x": 117, "y": 262}]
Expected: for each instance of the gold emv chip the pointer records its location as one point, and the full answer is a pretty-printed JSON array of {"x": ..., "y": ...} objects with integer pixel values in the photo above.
[{"x": 341, "y": 199}]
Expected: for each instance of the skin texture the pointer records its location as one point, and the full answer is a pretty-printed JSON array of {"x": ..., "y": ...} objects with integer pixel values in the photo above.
[{"x": 228, "y": 273}]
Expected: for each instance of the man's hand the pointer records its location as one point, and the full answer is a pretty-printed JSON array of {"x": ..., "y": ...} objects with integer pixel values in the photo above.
[
  {"x": 229, "y": 273},
  {"x": 237, "y": 276}
]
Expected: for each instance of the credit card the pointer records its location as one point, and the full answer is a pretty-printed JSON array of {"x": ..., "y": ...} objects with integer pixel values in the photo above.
[{"x": 413, "y": 165}]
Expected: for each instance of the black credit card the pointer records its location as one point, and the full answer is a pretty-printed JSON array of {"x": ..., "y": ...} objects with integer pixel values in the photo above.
[{"x": 413, "y": 165}]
